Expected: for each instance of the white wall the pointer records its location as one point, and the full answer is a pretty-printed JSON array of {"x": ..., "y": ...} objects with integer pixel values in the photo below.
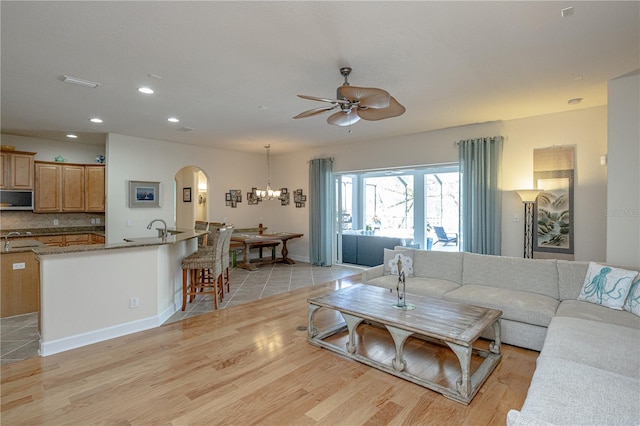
[
  {"x": 623, "y": 204},
  {"x": 585, "y": 128},
  {"x": 131, "y": 158},
  {"x": 48, "y": 150}
]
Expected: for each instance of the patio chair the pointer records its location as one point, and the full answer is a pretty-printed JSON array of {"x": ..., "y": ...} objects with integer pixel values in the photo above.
[{"x": 445, "y": 237}]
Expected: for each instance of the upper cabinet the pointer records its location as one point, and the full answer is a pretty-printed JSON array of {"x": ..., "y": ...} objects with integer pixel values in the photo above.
[
  {"x": 94, "y": 188},
  {"x": 69, "y": 187},
  {"x": 16, "y": 170}
]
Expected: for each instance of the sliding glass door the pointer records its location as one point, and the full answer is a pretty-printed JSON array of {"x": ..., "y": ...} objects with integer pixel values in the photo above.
[{"x": 399, "y": 203}]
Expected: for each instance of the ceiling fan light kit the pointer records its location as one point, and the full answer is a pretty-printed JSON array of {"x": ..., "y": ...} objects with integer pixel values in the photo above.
[{"x": 355, "y": 103}]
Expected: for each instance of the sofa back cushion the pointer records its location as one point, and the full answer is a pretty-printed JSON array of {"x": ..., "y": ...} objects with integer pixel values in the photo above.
[
  {"x": 538, "y": 276},
  {"x": 571, "y": 275},
  {"x": 438, "y": 264}
]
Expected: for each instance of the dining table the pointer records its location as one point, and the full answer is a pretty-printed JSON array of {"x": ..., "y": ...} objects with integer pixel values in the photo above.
[{"x": 271, "y": 240}]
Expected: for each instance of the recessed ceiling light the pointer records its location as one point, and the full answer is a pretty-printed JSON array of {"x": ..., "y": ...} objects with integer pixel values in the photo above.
[
  {"x": 80, "y": 82},
  {"x": 173, "y": 119},
  {"x": 574, "y": 101},
  {"x": 72, "y": 136},
  {"x": 145, "y": 90},
  {"x": 95, "y": 120}
]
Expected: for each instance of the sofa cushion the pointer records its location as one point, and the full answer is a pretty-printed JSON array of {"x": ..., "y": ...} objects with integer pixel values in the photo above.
[
  {"x": 590, "y": 311},
  {"x": 571, "y": 277},
  {"x": 391, "y": 258},
  {"x": 606, "y": 285},
  {"x": 515, "y": 305},
  {"x": 531, "y": 275},
  {"x": 605, "y": 346},
  {"x": 632, "y": 304},
  {"x": 565, "y": 392},
  {"x": 430, "y": 287},
  {"x": 438, "y": 264}
]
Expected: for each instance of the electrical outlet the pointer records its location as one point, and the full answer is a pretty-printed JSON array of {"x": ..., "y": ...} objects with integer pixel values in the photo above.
[
  {"x": 516, "y": 217},
  {"x": 93, "y": 221},
  {"x": 98, "y": 220},
  {"x": 129, "y": 223},
  {"x": 134, "y": 302},
  {"x": 56, "y": 222},
  {"x": 20, "y": 265}
]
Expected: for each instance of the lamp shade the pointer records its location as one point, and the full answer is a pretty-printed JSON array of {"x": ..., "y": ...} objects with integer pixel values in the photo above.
[{"x": 528, "y": 195}]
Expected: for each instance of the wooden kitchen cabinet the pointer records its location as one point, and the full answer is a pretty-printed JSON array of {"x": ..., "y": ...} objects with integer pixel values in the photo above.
[
  {"x": 17, "y": 170},
  {"x": 72, "y": 188},
  {"x": 97, "y": 239},
  {"x": 69, "y": 187},
  {"x": 52, "y": 240},
  {"x": 20, "y": 284},
  {"x": 94, "y": 187},
  {"x": 47, "y": 191},
  {"x": 78, "y": 239}
]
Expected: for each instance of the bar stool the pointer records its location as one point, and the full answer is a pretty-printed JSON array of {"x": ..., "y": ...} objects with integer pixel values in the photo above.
[
  {"x": 202, "y": 226},
  {"x": 202, "y": 271},
  {"x": 225, "y": 257}
]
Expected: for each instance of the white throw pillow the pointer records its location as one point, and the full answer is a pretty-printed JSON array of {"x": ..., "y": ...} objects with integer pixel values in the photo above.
[
  {"x": 632, "y": 304},
  {"x": 391, "y": 258},
  {"x": 606, "y": 286}
]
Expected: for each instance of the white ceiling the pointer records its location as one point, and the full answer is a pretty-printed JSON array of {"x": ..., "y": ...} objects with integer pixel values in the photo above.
[{"x": 232, "y": 70}]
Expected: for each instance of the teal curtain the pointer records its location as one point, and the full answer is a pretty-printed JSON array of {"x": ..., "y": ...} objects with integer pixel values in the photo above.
[
  {"x": 480, "y": 195},
  {"x": 321, "y": 211}
]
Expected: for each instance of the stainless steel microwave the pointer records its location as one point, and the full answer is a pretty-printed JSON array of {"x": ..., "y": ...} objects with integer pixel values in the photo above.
[{"x": 16, "y": 200}]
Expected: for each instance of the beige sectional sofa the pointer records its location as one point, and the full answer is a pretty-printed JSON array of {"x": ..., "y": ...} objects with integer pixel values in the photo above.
[{"x": 588, "y": 371}]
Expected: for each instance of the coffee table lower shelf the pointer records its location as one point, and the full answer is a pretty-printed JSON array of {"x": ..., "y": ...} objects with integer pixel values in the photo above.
[{"x": 465, "y": 388}]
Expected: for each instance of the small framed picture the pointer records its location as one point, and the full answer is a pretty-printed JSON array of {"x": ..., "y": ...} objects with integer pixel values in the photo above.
[
  {"x": 186, "y": 195},
  {"x": 144, "y": 194}
]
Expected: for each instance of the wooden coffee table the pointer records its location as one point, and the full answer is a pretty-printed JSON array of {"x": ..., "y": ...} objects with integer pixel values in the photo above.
[{"x": 455, "y": 325}]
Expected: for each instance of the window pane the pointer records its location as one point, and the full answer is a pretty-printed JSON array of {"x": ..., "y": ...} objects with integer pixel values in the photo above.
[{"x": 389, "y": 205}]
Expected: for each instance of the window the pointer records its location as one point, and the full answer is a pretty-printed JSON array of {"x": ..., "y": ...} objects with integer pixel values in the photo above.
[{"x": 401, "y": 203}]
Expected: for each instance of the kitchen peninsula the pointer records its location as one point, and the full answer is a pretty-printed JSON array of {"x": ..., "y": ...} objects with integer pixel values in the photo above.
[{"x": 91, "y": 293}]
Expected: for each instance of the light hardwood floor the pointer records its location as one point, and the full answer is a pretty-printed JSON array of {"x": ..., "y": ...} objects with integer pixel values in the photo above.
[{"x": 249, "y": 364}]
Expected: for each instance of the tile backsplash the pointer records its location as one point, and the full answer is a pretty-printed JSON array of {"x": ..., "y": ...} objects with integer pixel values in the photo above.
[{"x": 30, "y": 220}]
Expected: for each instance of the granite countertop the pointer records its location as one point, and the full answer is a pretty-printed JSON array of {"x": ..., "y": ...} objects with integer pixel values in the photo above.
[
  {"x": 58, "y": 230},
  {"x": 179, "y": 234},
  {"x": 21, "y": 245}
]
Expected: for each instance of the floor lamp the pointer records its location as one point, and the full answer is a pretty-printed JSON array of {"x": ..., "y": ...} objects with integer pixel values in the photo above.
[{"x": 528, "y": 197}]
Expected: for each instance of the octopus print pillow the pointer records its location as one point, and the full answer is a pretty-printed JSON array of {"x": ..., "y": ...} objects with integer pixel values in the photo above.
[
  {"x": 633, "y": 299},
  {"x": 606, "y": 286}
]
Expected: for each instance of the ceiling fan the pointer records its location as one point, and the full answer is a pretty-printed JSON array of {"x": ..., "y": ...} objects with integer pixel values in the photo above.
[{"x": 355, "y": 103}]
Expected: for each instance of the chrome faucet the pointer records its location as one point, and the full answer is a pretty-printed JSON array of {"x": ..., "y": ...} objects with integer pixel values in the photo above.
[
  {"x": 161, "y": 232},
  {"x": 6, "y": 240}
]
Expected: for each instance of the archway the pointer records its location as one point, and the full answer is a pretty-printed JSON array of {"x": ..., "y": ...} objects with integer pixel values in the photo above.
[{"x": 192, "y": 188}]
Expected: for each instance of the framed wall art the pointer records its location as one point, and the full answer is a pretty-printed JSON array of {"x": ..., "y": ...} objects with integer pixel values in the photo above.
[
  {"x": 186, "y": 195},
  {"x": 554, "y": 212},
  {"x": 144, "y": 194}
]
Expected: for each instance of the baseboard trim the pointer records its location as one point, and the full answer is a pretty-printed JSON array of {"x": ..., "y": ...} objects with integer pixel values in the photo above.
[{"x": 96, "y": 336}]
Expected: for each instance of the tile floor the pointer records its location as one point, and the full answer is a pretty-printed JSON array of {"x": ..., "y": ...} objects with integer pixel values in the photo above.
[{"x": 19, "y": 334}]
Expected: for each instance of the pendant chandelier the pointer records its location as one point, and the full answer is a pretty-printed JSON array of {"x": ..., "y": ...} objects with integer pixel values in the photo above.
[{"x": 268, "y": 193}]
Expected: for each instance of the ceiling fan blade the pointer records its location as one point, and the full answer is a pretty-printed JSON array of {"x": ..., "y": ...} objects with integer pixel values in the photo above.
[
  {"x": 372, "y": 114},
  {"x": 368, "y": 96},
  {"x": 315, "y": 111},
  {"x": 342, "y": 118},
  {"x": 315, "y": 98}
]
